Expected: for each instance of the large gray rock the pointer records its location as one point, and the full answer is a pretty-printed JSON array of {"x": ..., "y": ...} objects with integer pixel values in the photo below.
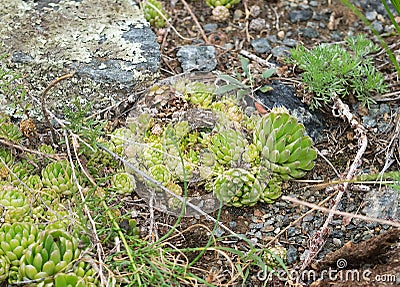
[{"x": 107, "y": 43}]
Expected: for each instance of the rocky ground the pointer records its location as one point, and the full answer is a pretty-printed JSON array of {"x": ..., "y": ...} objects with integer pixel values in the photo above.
[{"x": 269, "y": 31}]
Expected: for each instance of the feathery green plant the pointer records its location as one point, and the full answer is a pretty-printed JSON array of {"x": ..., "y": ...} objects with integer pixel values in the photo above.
[{"x": 333, "y": 69}]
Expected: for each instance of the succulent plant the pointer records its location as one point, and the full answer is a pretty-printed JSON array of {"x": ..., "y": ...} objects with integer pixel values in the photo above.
[
  {"x": 20, "y": 172},
  {"x": 285, "y": 148},
  {"x": 10, "y": 132},
  {"x": 226, "y": 3},
  {"x": 118, "y": 139},
  {"x": 34, "y": 181},
  {"x": 237, "y": 187},
  {"x": 123, "y": 183},
  {"x": 220, "y": 13},
  {"x": 160, "y": 173},
  {"x": 69, "y": 280},
  {"x": 101, "y": 162},
  {"x": 199, "y": 94},
  {"x": 271, "y": 255},
  {"x": 270, "y": 185},
  {"x": 53, "y": 252},
  {"x": 85, "y": 271},
  {"x": 58, "y": 176},
  {"x": 15, "y": 203},
  {"x": 228, "y": 146},
  {"x": 4, "y": 268},
  {"x": 152, "y": 154},
  {"x": 152, "y": 15},
  {"x": 15, "y": 239},
  {"x": 8, "y": 159}
]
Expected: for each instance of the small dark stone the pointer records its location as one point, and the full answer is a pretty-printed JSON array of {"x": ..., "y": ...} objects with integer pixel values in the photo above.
[
  {"x": 291, "y": 254},
  {"x": 300, "y": 15},
  {"x": 210, "y": 27},
  {"x": 308, "y": 32},
  {"x": 280, "y": 51},
  {"x": 290, "y": 42},
  {"x": 261, "y": 45}
]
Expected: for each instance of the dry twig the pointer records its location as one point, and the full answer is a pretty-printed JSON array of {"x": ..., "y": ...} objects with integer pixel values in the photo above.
[{"x": 318, "y": 240}]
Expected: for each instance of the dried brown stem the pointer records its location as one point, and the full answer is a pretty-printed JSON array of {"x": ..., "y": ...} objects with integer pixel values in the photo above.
[
  {"x": 318, "y": 240},
  {"x": 24, "y": 149},
  {"x": 203, "y": 35}
]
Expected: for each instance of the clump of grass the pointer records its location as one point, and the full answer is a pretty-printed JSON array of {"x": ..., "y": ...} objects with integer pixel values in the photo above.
[{"x": 339, "y": 69}]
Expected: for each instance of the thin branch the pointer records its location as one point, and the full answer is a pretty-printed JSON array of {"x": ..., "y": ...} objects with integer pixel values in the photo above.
[
  {"x": 203, "y": 35},
  {"x": 24, "y": 149},
  {"x": 341, "y": 213},
  {"x": 319, "y": 239}
]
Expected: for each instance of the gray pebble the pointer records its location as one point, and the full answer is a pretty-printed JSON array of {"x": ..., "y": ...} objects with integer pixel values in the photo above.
[
  {"x": 291, "y": 254},
  {"x": 210, "y": 27},
  {"x": 377, "y": 25},
  {"x": 300, "y": 15},
  {"x": 261, "y": 45},
  {"x": 371, "y": 15},
  {"x": 232, "y": 224},
  {"x": 290, "y": 42},
  {"x": 257, "y": 24},
  {"x": 219, "y": 232},
  {"x": 200, "y": 58},
  {"x": 280, "y": 51}
]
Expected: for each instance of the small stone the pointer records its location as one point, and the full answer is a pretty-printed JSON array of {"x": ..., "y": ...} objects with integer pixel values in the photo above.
[
  {"x": 232, "y": 224},
  {"x": 210, "y": 27},
  {"x": 237, "y": 15},
  {"x": 337, "y": 242},
  {"x": 281, "y": 34},
  {"x": 291, "y": 254},
  {"x": 314, "y": 3},
  {"x": 289, "y": 42},
  {"x": 280, "y": 51},
  {"x": 308, "y": 32},
  {"x": 261, "y": 45},
  {"x": 258, "y": 24},
  {"x": 219, "y": 232},
  {"x": 377, "y": 25},
  {"x": 300, "y": 15},
  {"x": 371, "y": 15},
  {"x": 200, "y": 58},
  {"x": 255, "y": 10}
]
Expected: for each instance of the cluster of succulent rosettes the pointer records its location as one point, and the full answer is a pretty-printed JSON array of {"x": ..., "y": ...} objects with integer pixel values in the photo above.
[
  {"x": 123, "y": 183},
  {"x": 57, "y": 175},
  {"x": 10, "y": 132},
  {"x": 199, "y": 94},
  {"x": 14, "y": 205},
  {"x": 228, "y": 146},
  {"x": 237, "y": 187},
  {"x": 152, "y": 10},
  {"x": 6, "y": 163},
  {"x": 53, "y": 252},
  {"x": 284, "y": 147}
]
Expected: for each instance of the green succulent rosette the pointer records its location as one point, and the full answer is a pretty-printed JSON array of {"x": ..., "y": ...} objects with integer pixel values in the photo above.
[
  {"x": 272, "y": 254},
  {"x": 237, "y": 187},
  {"x": 118, "y": 139},
  {"x": 271, "y": 185},
  {"x": 58, "y": 176},
  {"x": 86, "y": 273},
  {"x": 14, "y": 204},
  {"x": 226, "y": 3},
  {"x": 228, "y": 146},
  {"x": 34, "y": 182},
  {"x": 15, "y": 239},
  {"x": 123, "y": 183},
  {"x": 53, "y": 252},
  {"x": 69, "y": 280},
  {"x": 152, "y": 15},
  {"x": 8, "y": 159},
  {"x": 160, "y": 173},
  {"x": 285, "y": 148},
  {"x": 200, "y": 94},
  {"x": 20, "y": 172},
  {"x": 152, "y": 154},
  {"x": 4, "y": 268},
  {"x": 10, "y": 132}
]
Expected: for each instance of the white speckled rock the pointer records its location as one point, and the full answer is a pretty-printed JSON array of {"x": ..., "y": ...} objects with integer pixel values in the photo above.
[{"x": 107, "y": 43}]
